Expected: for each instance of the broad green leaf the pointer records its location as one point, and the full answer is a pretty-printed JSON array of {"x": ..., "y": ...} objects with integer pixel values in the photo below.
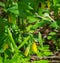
[
  {"x": 14, "y": 10},
  {"x": 48, "y": 53},
  {"x": 40, "y": 12},
  {"x": 52, "y": 33},
  {"x": 32, "y": 19},
  {"x": 49, "y": 37},
  {"x": 54, "y": 25},
  {"x": 56, "y": 2},
  {"x": 22, "y": 7},
  {"x": 2, "y": 4}
]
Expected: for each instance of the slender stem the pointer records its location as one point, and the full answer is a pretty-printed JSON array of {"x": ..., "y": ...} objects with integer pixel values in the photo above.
[
  {"x": 51, "y": 18},
  {"x": 40, "y": 16},
  {"x": 11, "y": 38},
  {"x": 23, "y": 42}
]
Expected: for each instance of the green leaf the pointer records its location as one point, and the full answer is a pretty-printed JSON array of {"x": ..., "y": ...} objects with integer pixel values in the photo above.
[
  {"x": 2, "y": 27},
  {"x": 52, "y": 33},
  {"x": 14, "y": 10},
  {"x": 1, "y": 50},
  {"x": 2, "y": 30},
  {"x": 27, "y": 50},
  {"x": 1, "y": 60},
  {"x": 22, "y": 7},
  {"x": 54, "y": 25},
  {"x": 49, "y": 37},
  {"x": 40, "y": 12},
  {"x": 40, "y": 39},
  {"x": 48, "y": 53},
  {"x": 31, "y": 19},
  {"x": 56, "y": 2},
  {"x": 41, "y": 61},
  {"x": 2, "y": 4},
  {"x": 39, "y": 24},
  {"x": 30, "y": 7}
]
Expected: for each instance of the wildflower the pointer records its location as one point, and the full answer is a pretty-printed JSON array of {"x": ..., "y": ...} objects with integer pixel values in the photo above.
[{"x": 34, "y": 47}]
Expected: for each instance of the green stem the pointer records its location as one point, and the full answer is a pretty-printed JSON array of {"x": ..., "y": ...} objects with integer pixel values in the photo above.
[
  {"x": 24, "y": 42},
  {"x": 11, "y": 38}
]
